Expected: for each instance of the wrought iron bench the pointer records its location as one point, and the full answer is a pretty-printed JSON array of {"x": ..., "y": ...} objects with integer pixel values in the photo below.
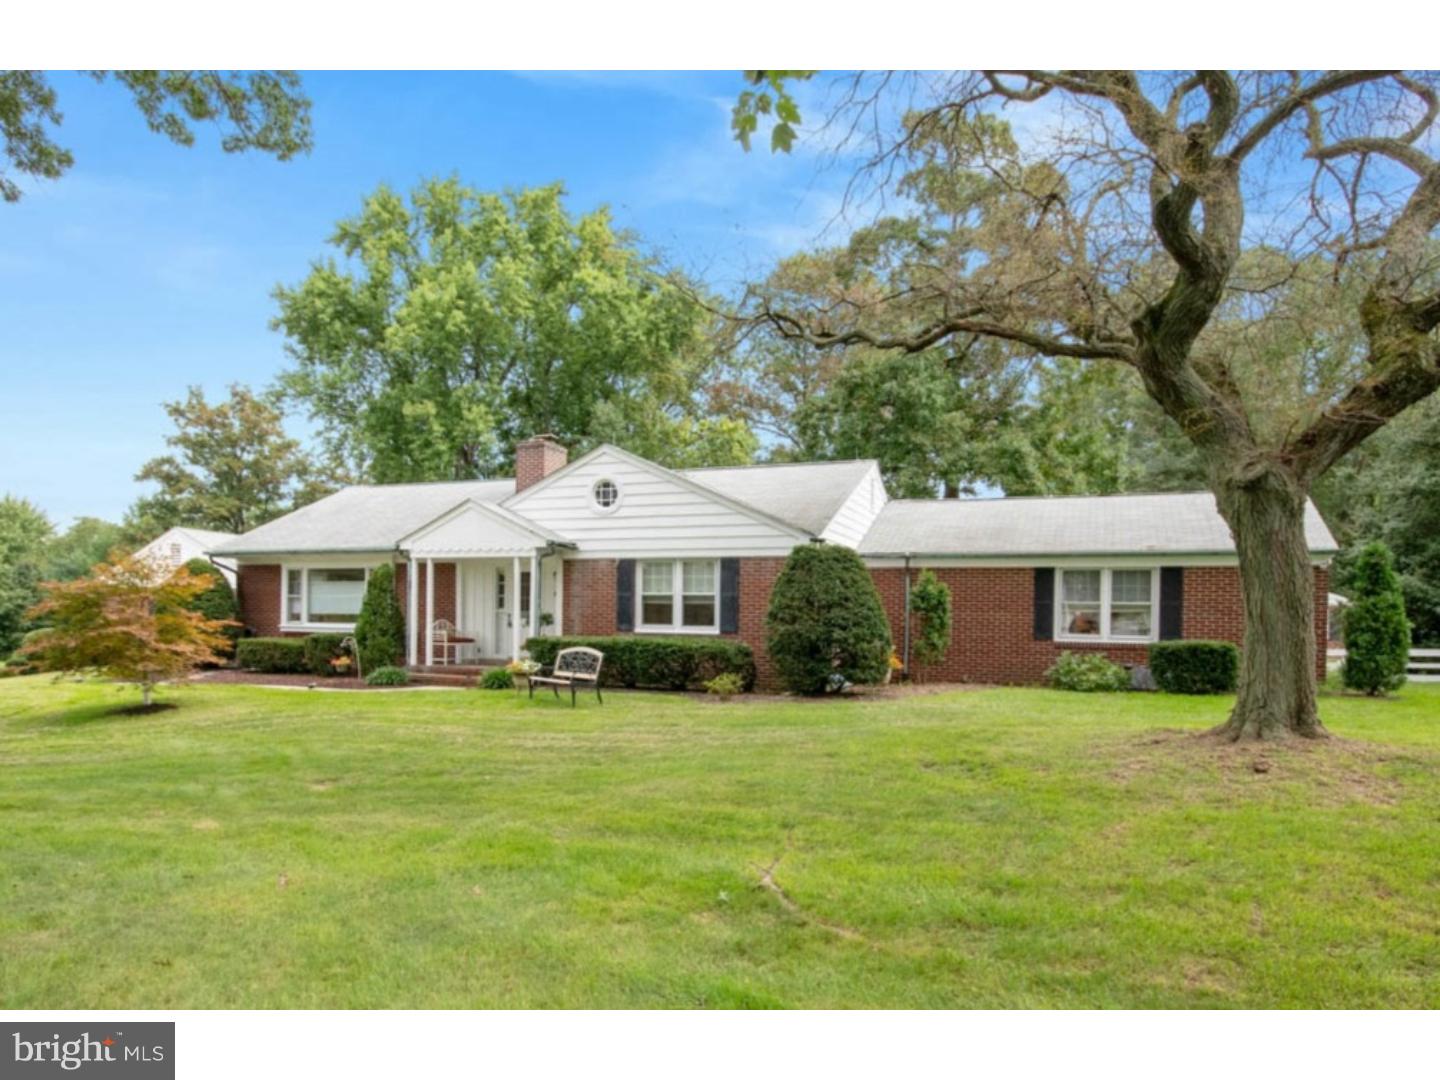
[{"x": 578, "y": 668}]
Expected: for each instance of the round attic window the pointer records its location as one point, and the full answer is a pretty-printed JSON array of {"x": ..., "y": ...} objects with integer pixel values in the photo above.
[{"x": 606, "y": 494}]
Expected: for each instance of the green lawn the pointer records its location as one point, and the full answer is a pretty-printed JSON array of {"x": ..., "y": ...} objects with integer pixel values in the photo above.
[{"x": 289, "y": 849}]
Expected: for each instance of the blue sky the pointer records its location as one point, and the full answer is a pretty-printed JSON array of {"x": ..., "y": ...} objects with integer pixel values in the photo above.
[{"x": 148, "y": 267}]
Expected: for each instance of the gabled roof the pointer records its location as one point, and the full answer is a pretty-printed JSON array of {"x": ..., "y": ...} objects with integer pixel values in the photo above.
[
  {"x": 677, "y": 476},
  {"x": 806, "y": 495},
  {"x": 363, "y": 517},
  {"x": 1185, "y": 523},
  {"x": 514, "y": 528}
]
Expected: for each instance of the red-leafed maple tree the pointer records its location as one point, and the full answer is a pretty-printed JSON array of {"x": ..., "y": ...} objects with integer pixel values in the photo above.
[{"x": 124, "y": 623}]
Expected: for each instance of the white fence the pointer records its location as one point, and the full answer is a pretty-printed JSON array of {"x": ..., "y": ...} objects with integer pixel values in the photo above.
[{"x": 1424, "y": 663}]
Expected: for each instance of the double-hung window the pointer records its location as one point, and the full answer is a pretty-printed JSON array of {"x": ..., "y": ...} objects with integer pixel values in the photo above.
[
  {"x": 679, "y": 595},
  {"x": 324, "y": 596},
  {"x": 1105, "y": 605}
]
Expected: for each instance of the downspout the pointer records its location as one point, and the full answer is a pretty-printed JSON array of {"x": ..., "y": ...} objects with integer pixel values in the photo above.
[{"x": 905, "y": 657}]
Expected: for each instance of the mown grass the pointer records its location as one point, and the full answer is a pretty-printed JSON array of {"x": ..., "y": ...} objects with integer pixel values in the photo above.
[{"x": 288, "y": 849}]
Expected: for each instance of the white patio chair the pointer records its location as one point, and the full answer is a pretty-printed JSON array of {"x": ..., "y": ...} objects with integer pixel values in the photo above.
[{"x": 442, "y": 633}]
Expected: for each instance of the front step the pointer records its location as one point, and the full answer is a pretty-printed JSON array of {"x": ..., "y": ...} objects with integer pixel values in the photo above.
[{"x": 450, "y": 674}]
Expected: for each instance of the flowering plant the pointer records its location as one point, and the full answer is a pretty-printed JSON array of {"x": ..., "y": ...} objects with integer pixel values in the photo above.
[{"x": 522, "y": 667}]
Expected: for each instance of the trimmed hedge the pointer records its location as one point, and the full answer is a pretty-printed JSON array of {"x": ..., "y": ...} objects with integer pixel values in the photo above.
[
  {"x": 1195, "y": 667},
  {"x": 273, "y": 655},
  {"x": 321, "y": 650},
  {"x": 657, "y": 663}
]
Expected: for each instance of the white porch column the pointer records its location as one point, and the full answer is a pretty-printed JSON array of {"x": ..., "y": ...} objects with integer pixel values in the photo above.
[
  {"x": 514, "y": 599},
  {"x": 412, "y": 614},
  {"x": 535, "y": 595},
  {"x": 560, "y": 595},
  {"x": 429, "y": 611}
]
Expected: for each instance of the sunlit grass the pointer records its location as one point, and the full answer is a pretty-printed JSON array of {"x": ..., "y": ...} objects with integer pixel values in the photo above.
[{"x": 270, "y": 849}]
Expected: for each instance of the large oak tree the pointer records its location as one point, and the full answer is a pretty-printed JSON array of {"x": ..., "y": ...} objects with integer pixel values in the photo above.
[{"x": 1167, "y": 223}]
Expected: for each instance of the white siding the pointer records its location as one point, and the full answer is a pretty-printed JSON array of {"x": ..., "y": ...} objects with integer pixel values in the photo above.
[
  {"x": 859, "y": 511},
  {"x": 175, "y": 547},
  {"x": 656, "y": 515},
  {"x": 470, "y": 531}
]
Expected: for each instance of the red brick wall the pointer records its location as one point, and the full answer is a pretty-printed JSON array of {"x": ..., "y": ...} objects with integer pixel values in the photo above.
[
  {"x": 992, "y": 637},
  {"x": 258, "y": 589},
  {"x": 590, "y": 604},
  {"x": 1322, "y": 619},
  {"x": 259, "y": 594},
  {"x": 445, "y": 599}
]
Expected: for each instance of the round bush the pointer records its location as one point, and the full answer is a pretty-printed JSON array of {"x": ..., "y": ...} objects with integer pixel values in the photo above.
[
  {"x": 497, "y": 679},
  {"x": 825, "y": 620},
  {"x": 1195, "y": 667},
  {"x": 388, "y": 676},
  {"x": 1088, "y": 673}
]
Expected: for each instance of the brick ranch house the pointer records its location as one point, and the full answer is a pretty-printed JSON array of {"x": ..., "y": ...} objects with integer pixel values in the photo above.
[{"x": 613, "y": 543}]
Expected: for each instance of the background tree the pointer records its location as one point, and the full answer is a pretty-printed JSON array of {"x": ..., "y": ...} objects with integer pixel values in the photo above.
[
  {"x": 1390, "y": 492},
  {"x": 24, "y": 533},
  {"x": 1122, "y": 236},
  {"x": 380, "y": 626},
  {"x": 261, "y": 110},
  {"x": 825, "y": 620},
  {"x": 122, "y": 623},
  {"x": 235, "y": 468},
  {"x": 88, "y": 541},
  {"x": 217, "y": 601},
  {"x": 460, "y": 322},
  {"x": 930, "y": 608},
  {"x": 1377, "y": 634}
]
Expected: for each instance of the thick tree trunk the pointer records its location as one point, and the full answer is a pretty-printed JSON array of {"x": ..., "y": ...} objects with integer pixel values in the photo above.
[
  {"x": 1265, "y": 507},
  {"x": 146, "y": 690}
]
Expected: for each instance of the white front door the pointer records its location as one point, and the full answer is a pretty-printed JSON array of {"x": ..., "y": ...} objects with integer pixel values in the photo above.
[{"x": 510, "y": 605}]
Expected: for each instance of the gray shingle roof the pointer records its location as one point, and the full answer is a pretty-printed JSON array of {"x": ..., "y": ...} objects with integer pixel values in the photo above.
[
  {"x": 1184, "y": 523},
  {"x": 806, "y": 494},
  {"x": 363, "y": 518}
]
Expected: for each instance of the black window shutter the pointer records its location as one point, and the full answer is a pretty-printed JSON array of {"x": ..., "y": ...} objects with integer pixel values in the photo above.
[
  {"x": 729, "y": 596},
  {"x": 625, "y": 595},
  {"x": 1172, "y": 602},
  {"x": 1044, "y": 603}
]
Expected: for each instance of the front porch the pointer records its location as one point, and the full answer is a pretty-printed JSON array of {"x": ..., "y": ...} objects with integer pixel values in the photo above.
[{"x": 478, "y": 583}]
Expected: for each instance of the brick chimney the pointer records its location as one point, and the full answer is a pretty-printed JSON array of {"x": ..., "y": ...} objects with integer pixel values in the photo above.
[{"x": 536, "y": 458}]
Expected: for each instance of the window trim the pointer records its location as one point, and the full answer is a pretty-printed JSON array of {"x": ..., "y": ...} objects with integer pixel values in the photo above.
[
  {"x": 677, "y": 598},
  {"x": 595, "y": 507},
  {"x": 1105, "y": 637},
  {"x": 304, "y": 569}
]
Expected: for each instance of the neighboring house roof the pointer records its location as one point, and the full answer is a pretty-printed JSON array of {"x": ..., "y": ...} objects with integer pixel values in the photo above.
[
  {"x": 209, "y": 538},
  {"x": 806, "y": 495},
  {"x": 363, "y": 518},
  {"x": 1185, "y": 523}
]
